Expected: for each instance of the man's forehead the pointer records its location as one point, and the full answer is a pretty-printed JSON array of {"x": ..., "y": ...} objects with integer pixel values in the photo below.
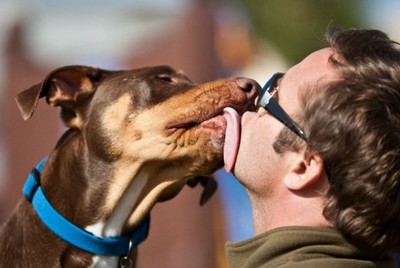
[
  {"x": 316, "y": 67},
  {"x": 318, "y": 60},
  {"x": 314, "y": 70}
]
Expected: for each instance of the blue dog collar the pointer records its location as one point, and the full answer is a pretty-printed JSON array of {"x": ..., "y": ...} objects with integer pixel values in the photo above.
[{"x": 72, "y": 234}]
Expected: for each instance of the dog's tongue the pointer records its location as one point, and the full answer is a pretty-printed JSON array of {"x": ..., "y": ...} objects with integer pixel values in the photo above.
[{"x": 232, "y": 136}]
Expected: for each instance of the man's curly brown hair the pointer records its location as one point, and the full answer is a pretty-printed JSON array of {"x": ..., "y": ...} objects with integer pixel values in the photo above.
[{"x": 354, "y": 124}]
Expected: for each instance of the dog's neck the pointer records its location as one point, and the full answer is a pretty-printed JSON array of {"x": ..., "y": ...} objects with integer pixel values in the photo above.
[
  {"x": 102, "y": 190},
  {"x": 87, "y": 200}
]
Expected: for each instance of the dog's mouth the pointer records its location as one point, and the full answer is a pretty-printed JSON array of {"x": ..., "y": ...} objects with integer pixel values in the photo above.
[
  {"x": 206, "y": 120},
  {"x": 206, "y": 104}
]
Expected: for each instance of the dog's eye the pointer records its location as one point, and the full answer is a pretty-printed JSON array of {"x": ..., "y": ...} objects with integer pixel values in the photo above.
[{"x": 165, "y": 78}]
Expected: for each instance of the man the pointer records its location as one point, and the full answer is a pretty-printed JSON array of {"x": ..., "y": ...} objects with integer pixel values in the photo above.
[{"x": 320, "y": 159}]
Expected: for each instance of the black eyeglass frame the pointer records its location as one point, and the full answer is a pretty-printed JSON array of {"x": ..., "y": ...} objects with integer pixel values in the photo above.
[{"x": 271, "y": 105}]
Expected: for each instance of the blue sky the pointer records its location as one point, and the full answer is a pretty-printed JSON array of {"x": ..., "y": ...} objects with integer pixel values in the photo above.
[{"x": 384, "y": 15}]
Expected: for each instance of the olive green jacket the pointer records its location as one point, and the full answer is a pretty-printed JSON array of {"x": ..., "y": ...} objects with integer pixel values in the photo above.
[{"x": 306, "y": 247}]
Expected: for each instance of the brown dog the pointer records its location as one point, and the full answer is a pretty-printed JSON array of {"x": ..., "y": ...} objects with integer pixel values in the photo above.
[{"x": 135, "y": 137}]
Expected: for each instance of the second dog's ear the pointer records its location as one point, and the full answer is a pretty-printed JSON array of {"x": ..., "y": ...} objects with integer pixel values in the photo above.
[{"x": 67, "y": 87}]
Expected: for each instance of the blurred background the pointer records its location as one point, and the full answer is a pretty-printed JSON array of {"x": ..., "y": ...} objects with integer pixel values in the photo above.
[{"x": 207, "y": 39}]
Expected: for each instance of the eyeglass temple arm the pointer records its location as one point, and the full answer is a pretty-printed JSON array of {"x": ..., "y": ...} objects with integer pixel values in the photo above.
[{"x": 273, "y": 107}]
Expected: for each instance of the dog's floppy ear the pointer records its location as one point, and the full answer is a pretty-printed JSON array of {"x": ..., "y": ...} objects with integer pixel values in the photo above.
[
  {"x": 66, "y": 87},
  {"x": 210, "y": 186}
]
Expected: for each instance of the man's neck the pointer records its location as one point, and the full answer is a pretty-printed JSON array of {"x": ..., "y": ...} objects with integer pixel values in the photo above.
[{"x": 290, "y": 210}]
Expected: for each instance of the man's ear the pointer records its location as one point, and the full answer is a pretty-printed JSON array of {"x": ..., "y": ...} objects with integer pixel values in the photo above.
[{"x": 307, "y": 169}]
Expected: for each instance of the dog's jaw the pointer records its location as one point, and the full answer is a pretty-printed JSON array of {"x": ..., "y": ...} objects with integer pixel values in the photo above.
[{"x": 130, "y": 200}]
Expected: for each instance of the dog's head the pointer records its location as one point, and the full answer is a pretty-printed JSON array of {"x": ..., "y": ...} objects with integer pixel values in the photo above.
[{"x": 151, "y": 124}]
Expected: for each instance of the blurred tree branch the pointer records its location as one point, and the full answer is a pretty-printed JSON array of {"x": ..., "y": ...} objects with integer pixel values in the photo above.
[{"x": 296, "y": 27}]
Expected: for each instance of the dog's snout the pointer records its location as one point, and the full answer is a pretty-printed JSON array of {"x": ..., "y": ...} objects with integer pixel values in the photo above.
[{"x": 249, "y": 86}]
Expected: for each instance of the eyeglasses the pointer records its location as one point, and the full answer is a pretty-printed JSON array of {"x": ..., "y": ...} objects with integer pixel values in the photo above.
[{"x": 268, "y": 102}]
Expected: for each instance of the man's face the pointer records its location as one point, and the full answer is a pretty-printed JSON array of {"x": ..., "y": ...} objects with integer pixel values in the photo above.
[{"x": 258, "y": 166}]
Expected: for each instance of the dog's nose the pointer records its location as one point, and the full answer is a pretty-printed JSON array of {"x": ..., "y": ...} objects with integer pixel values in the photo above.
[{"x": 249, "y": 86}]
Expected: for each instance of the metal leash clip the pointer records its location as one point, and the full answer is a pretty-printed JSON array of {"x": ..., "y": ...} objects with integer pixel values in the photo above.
[{"x": 126, "y": 262}]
